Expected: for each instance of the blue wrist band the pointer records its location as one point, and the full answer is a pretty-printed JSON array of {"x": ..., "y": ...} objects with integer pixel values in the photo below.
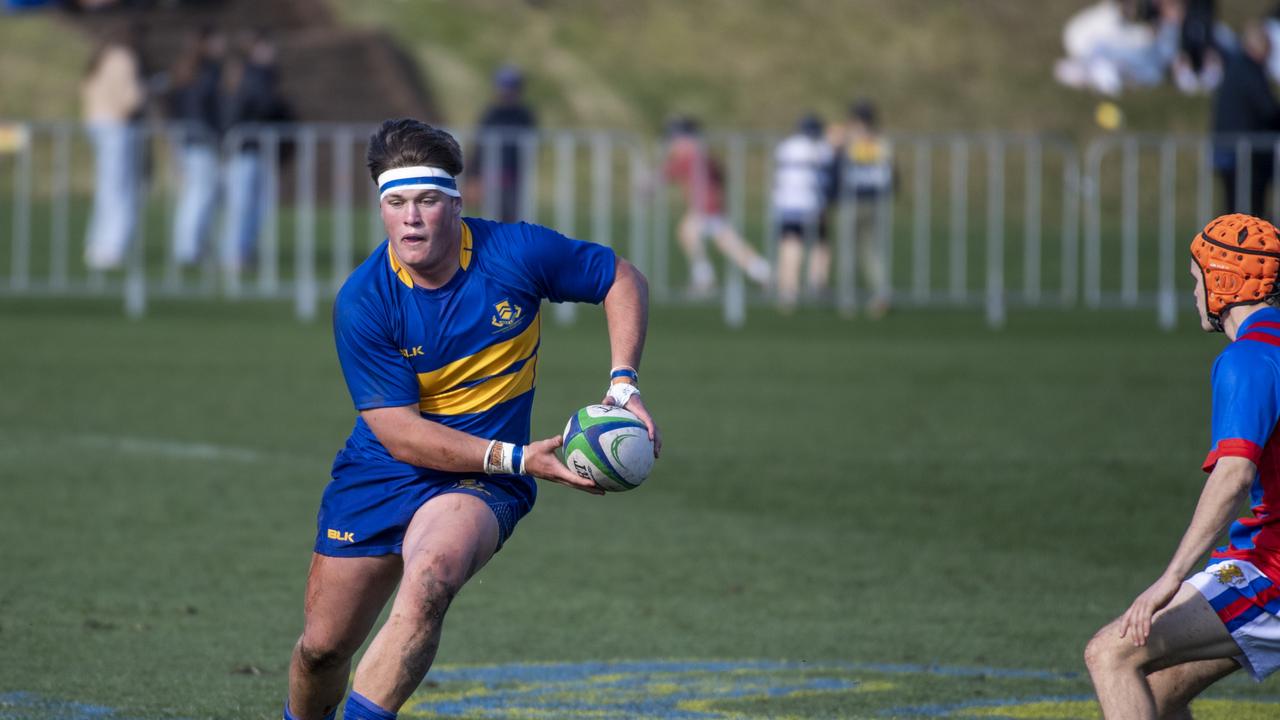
[{"x": 517, "y": 460}]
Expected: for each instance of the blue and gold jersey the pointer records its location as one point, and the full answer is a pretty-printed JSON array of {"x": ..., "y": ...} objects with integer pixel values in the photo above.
[{"x": 466, "y": 354}]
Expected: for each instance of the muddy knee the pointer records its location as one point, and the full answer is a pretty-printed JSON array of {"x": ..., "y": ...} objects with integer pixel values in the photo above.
[
  {"x": 432, "y": 587},
  {"x": 317, "y": 657}
]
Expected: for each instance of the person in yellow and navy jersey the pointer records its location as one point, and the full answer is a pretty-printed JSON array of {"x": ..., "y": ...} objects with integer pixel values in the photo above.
[{"x": 438, "y": 333}]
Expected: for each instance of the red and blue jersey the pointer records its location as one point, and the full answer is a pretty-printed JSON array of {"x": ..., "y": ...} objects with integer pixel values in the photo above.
[{"x": 1246, "y": 409}]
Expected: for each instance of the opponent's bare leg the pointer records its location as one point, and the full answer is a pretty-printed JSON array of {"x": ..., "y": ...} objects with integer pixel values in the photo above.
[
  {"x": 1185, "y": 631},
  {"x": 1175, "y": 687},
  {"x": 449, "y": 539},
  {"x": 344, "y": 597}
]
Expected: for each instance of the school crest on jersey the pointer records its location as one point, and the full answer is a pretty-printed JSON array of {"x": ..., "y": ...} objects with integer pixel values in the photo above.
[
  {"x": 1230, "y": 574},
  {"x": 506, "y": 315}
]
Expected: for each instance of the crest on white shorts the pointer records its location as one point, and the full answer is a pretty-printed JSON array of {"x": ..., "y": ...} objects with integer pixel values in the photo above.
[{"x": 1230, "y": 574}]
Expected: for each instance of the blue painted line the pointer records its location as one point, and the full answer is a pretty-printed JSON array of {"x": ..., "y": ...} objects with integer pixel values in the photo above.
[
  {"x": 947, "y": 710},
  {"x": 525, "y": 672},
  {"x": 947, "y": 671},
  {"x": 626, "y": 689},
  {"x": 29, "y": 706}
]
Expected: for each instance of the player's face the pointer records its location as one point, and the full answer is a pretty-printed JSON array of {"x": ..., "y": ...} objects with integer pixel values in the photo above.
[
  {"x": 423, "y": 228},
  {"x": 1202, "y": 305}
]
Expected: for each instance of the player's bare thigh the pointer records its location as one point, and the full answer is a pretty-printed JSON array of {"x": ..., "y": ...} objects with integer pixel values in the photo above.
[
  {"x": 1175, "y": 687},
  {"x": 1186, "y": 630},
  {"x": 449, "y": 539},
  {"x": 344, "y": 597}
]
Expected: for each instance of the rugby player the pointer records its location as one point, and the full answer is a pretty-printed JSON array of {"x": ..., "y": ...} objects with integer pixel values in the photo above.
[
  {"x": 1180, "y": 636},
  {"x": 437, "y": 334}
]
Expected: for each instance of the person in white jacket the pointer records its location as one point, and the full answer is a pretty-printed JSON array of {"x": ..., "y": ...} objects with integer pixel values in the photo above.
[
  {"x": 801, "y": 182},
  {"x": 112, "y": 97}
]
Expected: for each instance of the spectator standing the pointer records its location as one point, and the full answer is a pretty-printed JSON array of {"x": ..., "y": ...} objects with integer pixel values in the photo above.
[
  {"x": 1201, "y": 43},
  {"x": 864, "y": 171},
  {"x": 113, "y": 96},
  {"x": 1245, "y": 104},
  {"x": 195, "y": 104},
  {"x": 801, "y": 181},
  {"x": 502, "y": 127},
  {"x": 1271, "y": 24},
  {"x": 254, "y": 99},
  {"x": 689, "y": 165}
]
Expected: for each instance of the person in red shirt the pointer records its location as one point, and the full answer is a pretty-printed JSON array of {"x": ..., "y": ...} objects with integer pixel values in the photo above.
[{"x": 691, "y": 166}]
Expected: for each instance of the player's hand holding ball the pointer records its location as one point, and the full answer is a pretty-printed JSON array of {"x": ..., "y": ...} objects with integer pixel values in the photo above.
[
  {"x": 540, "y": 461},
  {"x": 609, "y": 446},
  {"x": 624, "y": 392}
]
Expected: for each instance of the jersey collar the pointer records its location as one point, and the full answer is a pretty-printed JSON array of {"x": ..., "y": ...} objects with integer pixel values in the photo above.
[
  {"x": 1271, "y": 314},
  {"x": 464, "y": 257}
]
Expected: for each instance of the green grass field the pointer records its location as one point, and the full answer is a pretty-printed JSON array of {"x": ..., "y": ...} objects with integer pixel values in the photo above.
[{"x": 913, "y": 518}]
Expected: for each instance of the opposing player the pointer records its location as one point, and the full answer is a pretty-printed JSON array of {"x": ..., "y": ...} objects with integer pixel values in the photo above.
[
  {"x": 438, "y": 334},
  {"x": 1178, "y": 637}
]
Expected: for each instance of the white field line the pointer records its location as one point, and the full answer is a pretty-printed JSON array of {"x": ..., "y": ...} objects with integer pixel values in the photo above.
[
  {"x": 12, "y": 445},
  {"x": 176, "y": 449}
]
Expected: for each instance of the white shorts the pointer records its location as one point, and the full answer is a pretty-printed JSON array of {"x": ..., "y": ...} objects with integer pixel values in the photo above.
[
  {"x": 1245, "y": 601},
  {"x": 710, "y": 225}
]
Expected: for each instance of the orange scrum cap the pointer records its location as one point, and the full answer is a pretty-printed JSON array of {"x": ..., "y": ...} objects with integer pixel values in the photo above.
[{"x": 1239, "y": 257}]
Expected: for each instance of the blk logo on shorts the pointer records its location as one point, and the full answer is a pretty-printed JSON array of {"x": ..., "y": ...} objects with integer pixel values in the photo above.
[{"x": 341, "y": 536}]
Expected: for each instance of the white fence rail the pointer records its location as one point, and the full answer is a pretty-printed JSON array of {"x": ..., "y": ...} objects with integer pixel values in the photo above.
[{"x": 987, "y": 222}]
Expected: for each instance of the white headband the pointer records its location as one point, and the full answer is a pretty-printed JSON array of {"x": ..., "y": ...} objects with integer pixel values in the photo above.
[{"x": 417, "y": 178}]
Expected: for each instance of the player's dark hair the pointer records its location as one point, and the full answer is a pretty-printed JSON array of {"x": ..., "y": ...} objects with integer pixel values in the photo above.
[
  {"x": 864, "y": 110},
  {"x": 810, "y": 125},
  {"x": 683, "y": 125},
  {"x": 407, "y": 142}
]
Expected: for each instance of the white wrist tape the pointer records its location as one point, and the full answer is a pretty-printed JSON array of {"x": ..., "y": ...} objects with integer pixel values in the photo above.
[
  {"x": 504, "y": 458},
  {"x": 622, "y": 392}
]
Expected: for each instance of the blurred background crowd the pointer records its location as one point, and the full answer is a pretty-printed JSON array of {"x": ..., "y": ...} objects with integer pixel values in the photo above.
[{"x": 213, "y": 73}]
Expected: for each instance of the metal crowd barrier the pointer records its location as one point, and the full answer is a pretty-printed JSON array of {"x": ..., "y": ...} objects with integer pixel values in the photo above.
[{"x": 981, "y": 221}]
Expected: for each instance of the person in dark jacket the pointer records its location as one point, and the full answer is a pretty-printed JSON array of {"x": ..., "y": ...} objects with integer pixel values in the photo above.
[
  {"x": 194, "y": 104},
  {"x": 254, "y": 100},
  {"x": 1244, "y": 107},
  {"x": 501, "y": 129}
]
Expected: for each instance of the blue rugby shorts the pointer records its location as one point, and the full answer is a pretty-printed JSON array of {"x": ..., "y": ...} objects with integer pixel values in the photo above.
[{"x": 363, "y": 515}]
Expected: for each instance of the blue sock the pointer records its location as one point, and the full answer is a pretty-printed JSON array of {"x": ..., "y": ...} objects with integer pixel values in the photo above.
[
  {"x": 290, "y": 716},
  {"x": 360, "y": 707}
]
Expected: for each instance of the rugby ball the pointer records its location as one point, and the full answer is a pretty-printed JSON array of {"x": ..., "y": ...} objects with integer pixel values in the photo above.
[{"x": 609, "y": 446}]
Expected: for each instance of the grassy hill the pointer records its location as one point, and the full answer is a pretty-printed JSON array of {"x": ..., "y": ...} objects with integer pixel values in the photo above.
[
  {"x": 40, "y": 67},
  {"x": 933, "y": 65}
]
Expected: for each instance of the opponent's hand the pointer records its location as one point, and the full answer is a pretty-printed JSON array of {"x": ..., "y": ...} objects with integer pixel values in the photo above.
[
  {"x": 540, "y": 461},
  {"x": 1136, "y": 622},
  {"x": 636, "y": 407}
]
